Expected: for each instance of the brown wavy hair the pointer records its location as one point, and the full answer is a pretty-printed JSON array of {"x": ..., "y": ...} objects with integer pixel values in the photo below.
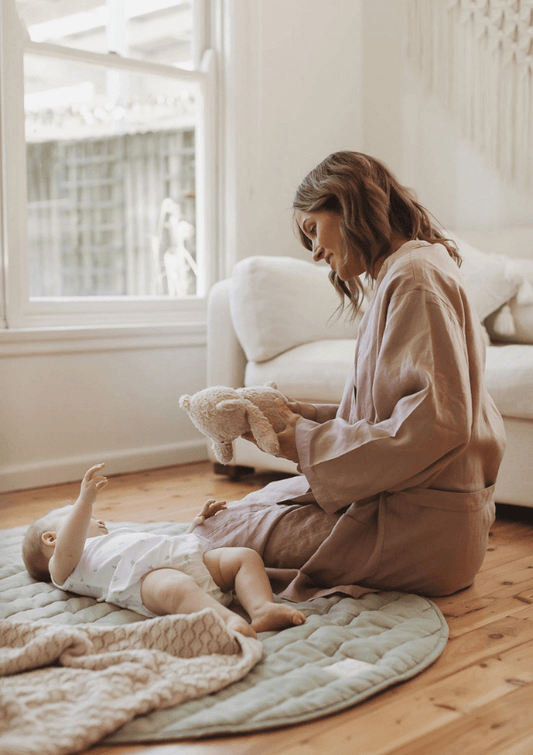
[{"x": 373, "y": 206}]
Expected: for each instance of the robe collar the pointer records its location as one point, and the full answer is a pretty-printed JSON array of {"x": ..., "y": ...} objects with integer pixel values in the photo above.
[{"x": 404, "y": 249}]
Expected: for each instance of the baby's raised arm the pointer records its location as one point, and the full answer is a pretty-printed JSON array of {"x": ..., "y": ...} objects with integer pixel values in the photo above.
[{"x": 73, "y": 531}]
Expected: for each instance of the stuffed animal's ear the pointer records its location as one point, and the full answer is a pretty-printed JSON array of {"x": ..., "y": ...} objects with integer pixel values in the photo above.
[
  {"x": 229, "y": 405},
  {"x": 271, "y": 384},
  {"x": 185, "y": 402},
  {"x": 262, "y": 430}
]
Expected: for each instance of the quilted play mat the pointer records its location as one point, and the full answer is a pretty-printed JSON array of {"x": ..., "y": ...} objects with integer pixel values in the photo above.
[{"x": 347, "y": 651}]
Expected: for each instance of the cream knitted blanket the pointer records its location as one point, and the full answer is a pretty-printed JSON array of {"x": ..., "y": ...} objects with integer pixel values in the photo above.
[{"x": 67, "y": 687}]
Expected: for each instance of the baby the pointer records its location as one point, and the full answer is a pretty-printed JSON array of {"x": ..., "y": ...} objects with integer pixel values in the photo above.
[{"x": 147, "y": 573}]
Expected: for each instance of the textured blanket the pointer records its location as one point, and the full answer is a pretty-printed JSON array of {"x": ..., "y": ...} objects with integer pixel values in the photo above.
[{"x": 66, "y": 687}]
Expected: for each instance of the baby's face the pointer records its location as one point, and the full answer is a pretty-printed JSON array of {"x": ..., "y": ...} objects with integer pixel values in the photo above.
[{"x": 55, "y": 520}]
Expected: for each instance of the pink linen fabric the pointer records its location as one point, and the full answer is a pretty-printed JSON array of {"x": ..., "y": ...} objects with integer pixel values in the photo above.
[{"x": 397, "y": 483}]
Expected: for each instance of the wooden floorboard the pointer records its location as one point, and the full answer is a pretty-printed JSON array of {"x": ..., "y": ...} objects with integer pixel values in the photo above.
[{"x": 475, "y": 699}]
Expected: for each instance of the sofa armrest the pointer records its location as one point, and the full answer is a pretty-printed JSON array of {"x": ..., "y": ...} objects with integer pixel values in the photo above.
[{"x": 226, "y": 362}]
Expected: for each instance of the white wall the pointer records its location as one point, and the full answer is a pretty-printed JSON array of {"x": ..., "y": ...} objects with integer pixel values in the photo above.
[
  {"x": 299, "y": 98},
  {"x": 419, "y": 140},
  {"x": 66, "y": 405}
]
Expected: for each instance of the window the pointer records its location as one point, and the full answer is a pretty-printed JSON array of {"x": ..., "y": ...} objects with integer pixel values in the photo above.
[{"x": 111, "y": 110}]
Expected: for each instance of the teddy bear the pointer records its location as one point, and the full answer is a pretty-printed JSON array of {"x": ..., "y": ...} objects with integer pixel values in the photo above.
[{"x": 223, "y": 414}]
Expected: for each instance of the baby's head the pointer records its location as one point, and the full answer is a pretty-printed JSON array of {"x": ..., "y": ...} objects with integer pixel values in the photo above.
[{"x": 37, "y": 547}]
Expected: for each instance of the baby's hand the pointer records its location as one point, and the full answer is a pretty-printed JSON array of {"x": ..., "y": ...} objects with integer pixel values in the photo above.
[
  {"x": 91, "y": 485},
  {"x": 209, "y": 509}
]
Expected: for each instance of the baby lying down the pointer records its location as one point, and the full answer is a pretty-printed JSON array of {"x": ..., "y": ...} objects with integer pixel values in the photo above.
[{"x": 148, "y": 573}]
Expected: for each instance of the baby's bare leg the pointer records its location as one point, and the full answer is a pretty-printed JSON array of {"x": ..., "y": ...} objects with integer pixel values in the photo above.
[
  {"x": 169, "y": 591},
  {"x": 242, "y": 569}
]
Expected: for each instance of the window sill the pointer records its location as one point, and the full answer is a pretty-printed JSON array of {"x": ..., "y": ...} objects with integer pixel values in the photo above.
[{"x": 58, "y": 340}]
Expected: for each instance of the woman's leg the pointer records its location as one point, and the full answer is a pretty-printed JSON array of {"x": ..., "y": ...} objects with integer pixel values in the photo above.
[
  {"x": 169, "y": 591},
  {"x": 286, "y": 536},
  {"x": 242, "y": 569}
]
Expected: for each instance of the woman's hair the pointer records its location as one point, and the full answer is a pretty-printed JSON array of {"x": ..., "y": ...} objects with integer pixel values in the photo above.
[{"x": 373, "y": 206}]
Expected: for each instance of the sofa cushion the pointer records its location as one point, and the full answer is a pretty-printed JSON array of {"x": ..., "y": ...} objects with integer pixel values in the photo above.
[
  {"x": 281, "y": 302},
  {"x": 509, "y": 379},
  {"x": 491, "y": 279},
  {"x": 522, "y": 325},
  {"x": 522, "y": 315},
  {"x": 314, "y": 372},
  {"x": 317, "y": 372}
]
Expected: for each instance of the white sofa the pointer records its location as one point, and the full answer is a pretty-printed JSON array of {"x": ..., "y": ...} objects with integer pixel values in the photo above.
[{"x": 270, "y": 322}]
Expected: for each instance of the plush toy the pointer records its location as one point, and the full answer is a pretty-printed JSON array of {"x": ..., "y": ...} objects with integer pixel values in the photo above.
[{"x": 223, "y": 414}]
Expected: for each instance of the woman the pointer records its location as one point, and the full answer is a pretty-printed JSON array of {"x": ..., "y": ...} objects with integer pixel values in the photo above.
[{"x": 397, "y": 483}]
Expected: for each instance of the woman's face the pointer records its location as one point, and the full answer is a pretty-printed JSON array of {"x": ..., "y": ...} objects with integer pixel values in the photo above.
[{"x": 323, "y": 229}]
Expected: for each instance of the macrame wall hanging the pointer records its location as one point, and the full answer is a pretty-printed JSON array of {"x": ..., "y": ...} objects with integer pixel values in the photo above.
[{"x": 477, "y": 57}]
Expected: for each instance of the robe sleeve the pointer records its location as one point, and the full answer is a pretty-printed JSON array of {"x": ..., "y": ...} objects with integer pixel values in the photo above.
[
  {"x": 416, "y": 408},
  {"x": 325, "y": 412}
]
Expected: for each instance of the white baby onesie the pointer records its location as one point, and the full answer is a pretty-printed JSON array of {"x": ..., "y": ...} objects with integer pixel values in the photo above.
[{"x": 112, "y": 566}]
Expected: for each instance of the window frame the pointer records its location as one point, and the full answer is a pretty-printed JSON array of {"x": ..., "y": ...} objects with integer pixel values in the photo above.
[{"x": 17, "y": 310}]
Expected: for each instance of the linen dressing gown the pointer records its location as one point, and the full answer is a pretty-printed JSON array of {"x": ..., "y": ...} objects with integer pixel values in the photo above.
[{"x": 397, "y": 483}]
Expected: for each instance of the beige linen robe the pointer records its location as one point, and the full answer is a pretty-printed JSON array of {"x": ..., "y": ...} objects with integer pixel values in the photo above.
[{"x": 398, "y": 480}]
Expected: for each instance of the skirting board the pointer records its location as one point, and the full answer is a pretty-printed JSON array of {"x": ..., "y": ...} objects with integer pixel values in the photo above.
[
  {"x": 514, "y": 486},
  {"x": 58, "y": 471}
]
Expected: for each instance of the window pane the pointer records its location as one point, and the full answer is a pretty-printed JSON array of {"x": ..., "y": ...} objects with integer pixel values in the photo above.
[
  {"x": 157, "y": 30},
  {"x": 111, "y": 182}
]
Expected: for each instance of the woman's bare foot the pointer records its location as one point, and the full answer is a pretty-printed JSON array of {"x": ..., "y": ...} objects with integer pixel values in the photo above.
[
  {"x": 276, "y": 616},
  {"x": 239, "y": 624}
]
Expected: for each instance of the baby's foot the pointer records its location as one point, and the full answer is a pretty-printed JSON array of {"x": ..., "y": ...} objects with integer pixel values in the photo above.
[
  {"x": 276, "y": 616},
  {"x": 239, "y": 624}
]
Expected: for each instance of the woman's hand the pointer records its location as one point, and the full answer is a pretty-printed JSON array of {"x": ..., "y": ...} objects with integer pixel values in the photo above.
[
  {"x": 287, "y": 437},
  {"x": 290, "y": 411},
  {"x": 307, "y": 411}
]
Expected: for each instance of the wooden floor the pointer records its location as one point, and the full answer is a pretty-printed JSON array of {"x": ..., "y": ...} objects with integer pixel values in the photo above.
[{"x": 477, "y": 698}]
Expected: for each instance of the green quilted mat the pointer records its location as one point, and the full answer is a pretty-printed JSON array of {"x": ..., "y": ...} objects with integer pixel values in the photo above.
[{"x": 347, "y": 651}]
